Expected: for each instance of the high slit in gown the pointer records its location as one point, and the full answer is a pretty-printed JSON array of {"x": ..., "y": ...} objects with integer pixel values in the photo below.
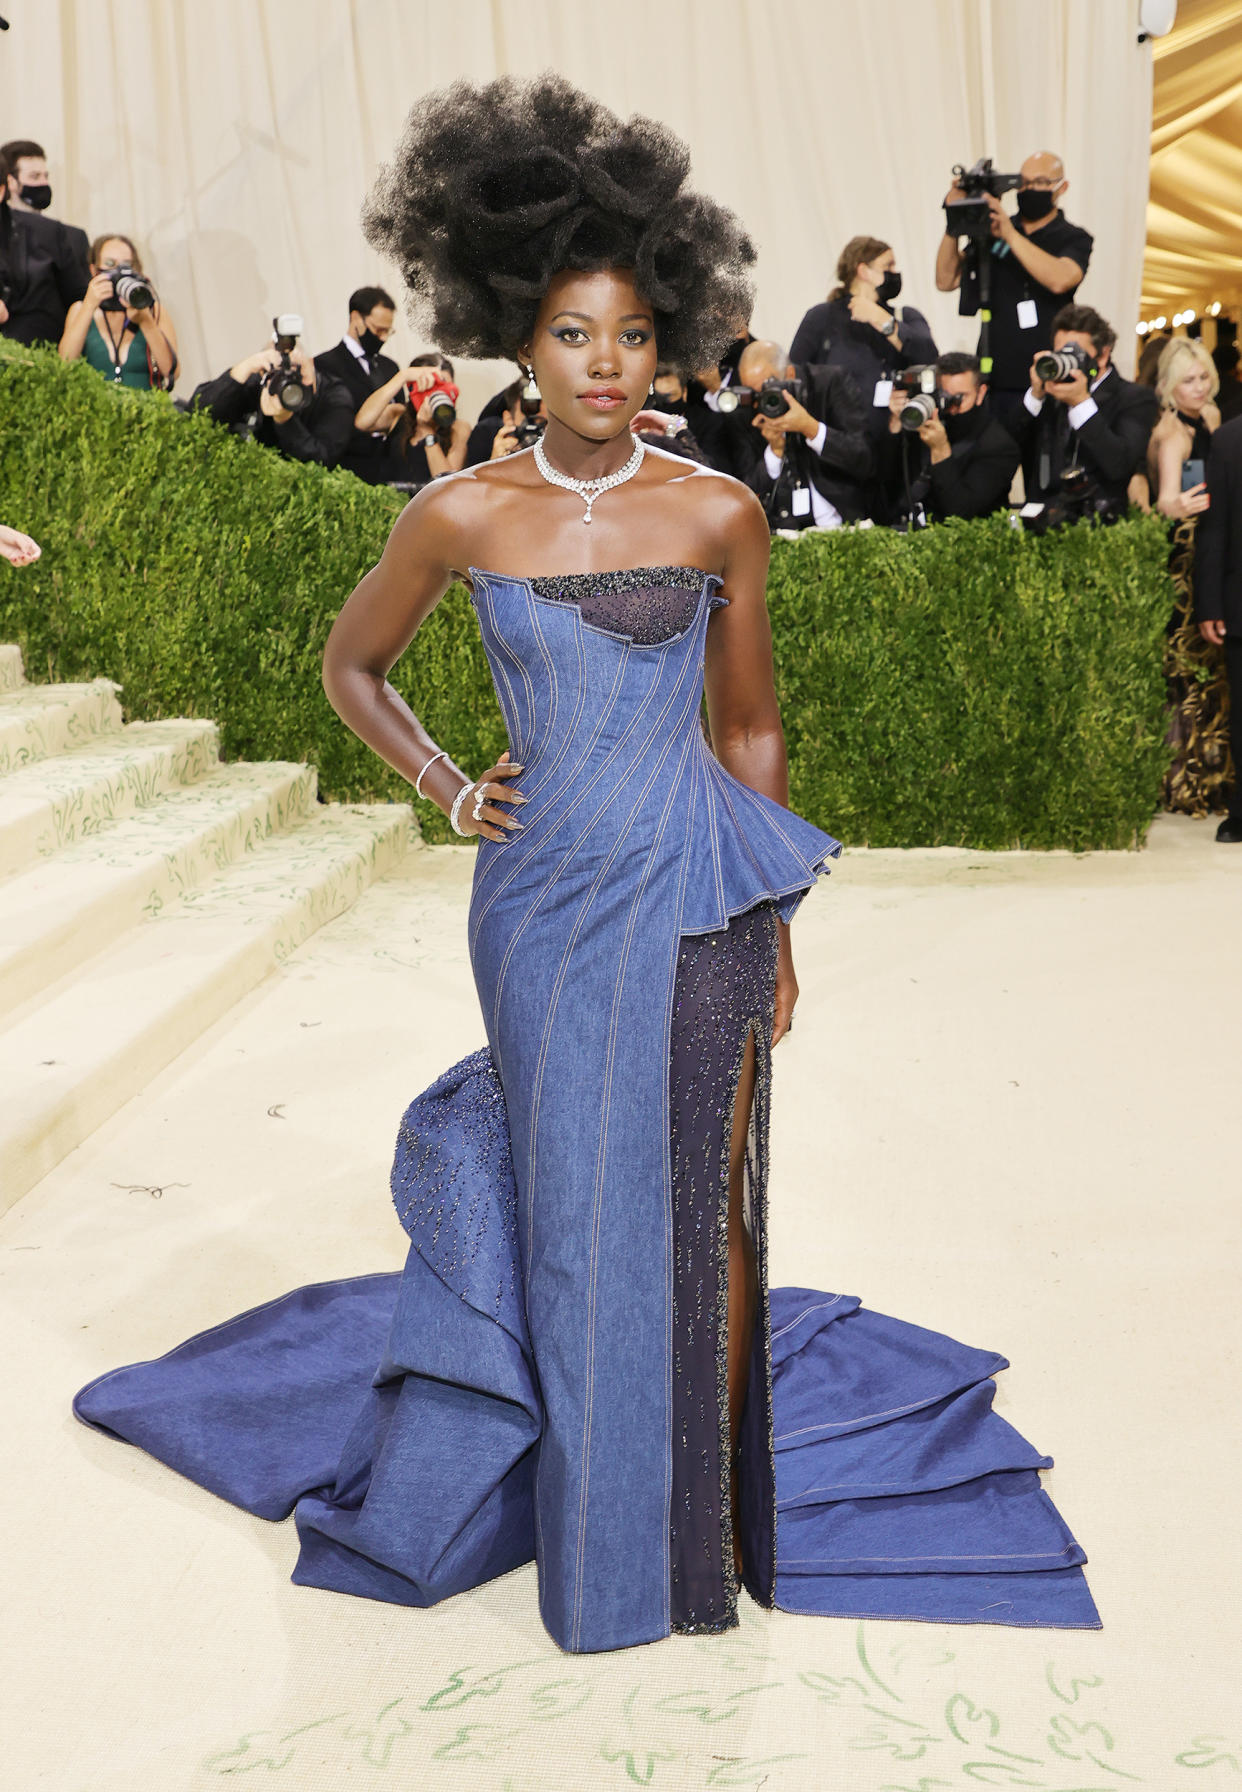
[{"x": 546, "y": 1378}]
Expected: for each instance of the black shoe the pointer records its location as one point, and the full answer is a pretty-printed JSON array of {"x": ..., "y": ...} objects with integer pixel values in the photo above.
[{"x": 1230, "y": 830}]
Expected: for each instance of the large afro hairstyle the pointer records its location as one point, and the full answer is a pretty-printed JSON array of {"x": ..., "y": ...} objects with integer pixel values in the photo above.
[{"x": 494, "y": 189}]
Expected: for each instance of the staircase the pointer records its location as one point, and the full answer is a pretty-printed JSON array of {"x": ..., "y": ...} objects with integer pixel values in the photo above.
[{"x": 144, "y": 889}]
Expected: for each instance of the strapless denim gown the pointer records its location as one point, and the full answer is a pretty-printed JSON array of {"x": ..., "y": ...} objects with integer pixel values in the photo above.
[{"x": 546, "y": 1377}]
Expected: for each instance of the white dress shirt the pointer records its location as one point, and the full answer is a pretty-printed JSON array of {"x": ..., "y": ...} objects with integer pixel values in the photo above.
[
  {"x": 823, "y": 514},
  {"x": 1078, "y": 413}
]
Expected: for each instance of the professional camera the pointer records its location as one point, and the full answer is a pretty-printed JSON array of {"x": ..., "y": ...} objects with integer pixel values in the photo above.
[
  {"x": 131, "y": 288},
  {"x": 530, "y": 425},
  {"x": 285, "y": 383},
  {"x": 1077, "y": 496},
  {"x": 971, "y": 215},
  {"x": 920, "y": 382},
  {"x": 732, "y": 398},
  {"x": 441, "y": 399},
  {"x": 1056, "y": 364},
  {"x": 770, "y": 398}
]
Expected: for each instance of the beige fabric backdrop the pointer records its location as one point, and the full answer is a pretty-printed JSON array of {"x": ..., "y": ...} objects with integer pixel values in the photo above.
[{"x": 235, "y": 138}]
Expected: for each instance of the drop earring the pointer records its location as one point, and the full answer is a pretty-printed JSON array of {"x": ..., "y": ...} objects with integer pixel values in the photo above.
[
  {"x": 532, "y": 391},
  {"x": 651, "y": 389}
]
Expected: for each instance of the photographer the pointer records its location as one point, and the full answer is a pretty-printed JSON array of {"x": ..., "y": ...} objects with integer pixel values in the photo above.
[
  {"x": 44, "y": 264},
  {"x": 425, "y": 439},
  {"x": 802, "y": 432},
  {"x": 360, "y": 364},
  {"x": 858, "y": 330},
  {"x": 518, "y": 423},
  {"x": 279, "y": 398},
  {"x": 943, "y": 454},
  {"x": 1035, "y": 263},
  {"x": 120, "y": 328},
  {"x": 1085, "y": 429}
]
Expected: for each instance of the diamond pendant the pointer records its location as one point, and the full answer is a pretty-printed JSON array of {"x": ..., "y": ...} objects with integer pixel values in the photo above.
[{"x": 587, "y": 517}]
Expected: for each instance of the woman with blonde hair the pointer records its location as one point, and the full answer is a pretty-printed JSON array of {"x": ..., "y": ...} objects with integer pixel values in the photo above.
[
  {"x": 1186, "y": 384},
  {"x": 120, "y": 327}
]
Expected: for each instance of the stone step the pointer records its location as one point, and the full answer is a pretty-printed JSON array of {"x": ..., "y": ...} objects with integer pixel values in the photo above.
[
  {"x": 11, "y": 674},
  {"x": 71, "y": 1058},
  {"x": 39, "y": 720},
  {"x": 46, "y": 805},
  {"x": 64, "y": 910}
]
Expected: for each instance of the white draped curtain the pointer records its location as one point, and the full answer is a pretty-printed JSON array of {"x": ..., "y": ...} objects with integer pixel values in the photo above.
[{"x": 235, "y": 139}]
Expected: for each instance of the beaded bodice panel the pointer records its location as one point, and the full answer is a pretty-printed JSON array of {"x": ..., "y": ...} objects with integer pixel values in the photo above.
[{"x": 649, "y": 603}]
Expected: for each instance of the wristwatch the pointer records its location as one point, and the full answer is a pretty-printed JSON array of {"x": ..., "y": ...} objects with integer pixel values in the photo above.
[{"x": 890, "y": 328}]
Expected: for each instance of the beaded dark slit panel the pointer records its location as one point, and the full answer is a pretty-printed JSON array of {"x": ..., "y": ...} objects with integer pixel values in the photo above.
[{"x": 722, "y": 996}]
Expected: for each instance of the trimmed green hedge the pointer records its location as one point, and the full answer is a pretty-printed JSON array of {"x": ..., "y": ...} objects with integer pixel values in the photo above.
[{"x": 970, "y": 685}]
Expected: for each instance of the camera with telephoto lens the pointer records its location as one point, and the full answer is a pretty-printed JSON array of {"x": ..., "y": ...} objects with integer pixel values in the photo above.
[
  {"x": 1076, "y": 498},
  {"x": 530, "y": 425},
  {"x": 1056, "y": 364},
  {"x": 284, "y": 382},
  {"x": 923, "y": 404},
  {"x": 971, "y": 216},
  {"x": 131, "y": 288},
  {"x": 440, "y": 397}
]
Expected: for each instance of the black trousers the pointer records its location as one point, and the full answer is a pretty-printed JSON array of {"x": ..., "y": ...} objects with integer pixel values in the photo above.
[{"x": 1233, "y": 671}]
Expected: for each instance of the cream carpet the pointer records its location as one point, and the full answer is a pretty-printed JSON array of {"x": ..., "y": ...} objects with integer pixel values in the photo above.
[{"x": 1009, "y": 1110}]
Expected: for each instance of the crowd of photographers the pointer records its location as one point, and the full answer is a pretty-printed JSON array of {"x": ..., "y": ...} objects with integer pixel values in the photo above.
[{"x": 860, "y": 419}]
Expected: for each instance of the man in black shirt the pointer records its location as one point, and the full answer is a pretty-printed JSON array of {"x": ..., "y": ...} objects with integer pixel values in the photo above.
[
  {"x": 961, "y": 462},
  {"x": 359, "y": 363},
  {"x": 44, "y": 264},
  {"x": 1037, "y": 260}
]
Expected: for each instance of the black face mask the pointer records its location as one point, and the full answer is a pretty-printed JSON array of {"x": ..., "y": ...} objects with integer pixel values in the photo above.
[
  {"x": 370, "y": 344},
  {"x": 1034, "y": 203},
  {"x": 960, "y": 425},
  {"x": 888, "y": 288},
  {"x": 37, "y": 198}
]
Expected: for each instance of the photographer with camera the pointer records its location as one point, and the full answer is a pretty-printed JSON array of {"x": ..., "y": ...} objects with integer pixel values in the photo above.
[
  {"x": 943, "y": 454},
  {"x": 279, "y": 398},
  {"x": 1023, "y": 268},
  {"x": 360, "y": 364},
  {"x": 858, "y": 330},
  {"x": 417, "y": 410},
  {"x": 802, "y": 431},
  {"x": 120, "y": 328},
  {"x": 515, "y": 419},
  {"x": 44, "y": 264},
  {"x": 1085, "y": 430}
]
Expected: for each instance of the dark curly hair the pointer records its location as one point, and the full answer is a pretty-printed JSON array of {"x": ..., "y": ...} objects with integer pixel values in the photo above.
[{"x": 494, "y": 189}]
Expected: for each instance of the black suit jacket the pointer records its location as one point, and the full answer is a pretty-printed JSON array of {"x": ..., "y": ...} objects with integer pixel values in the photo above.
[
  {"x": 839, "y": 471},
  {"x": 1112, "y": 445},
  {"x": 973, "y": 481},
  {"x": 46, "y": 266},
  {"x": 366, "y": 454},
  {"x": 1218, "y": 536}
]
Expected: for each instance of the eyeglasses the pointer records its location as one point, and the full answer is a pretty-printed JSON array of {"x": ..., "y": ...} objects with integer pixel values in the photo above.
[{"x": 1043, "y": 183}]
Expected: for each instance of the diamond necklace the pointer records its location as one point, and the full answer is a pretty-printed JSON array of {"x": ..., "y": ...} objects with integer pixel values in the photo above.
[{"x": 589, "y": 489}]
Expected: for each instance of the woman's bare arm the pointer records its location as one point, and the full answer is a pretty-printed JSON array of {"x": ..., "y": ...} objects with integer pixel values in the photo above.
[
  {"x": 742, "y": 712},
  {"x": 380, "y": 618}
]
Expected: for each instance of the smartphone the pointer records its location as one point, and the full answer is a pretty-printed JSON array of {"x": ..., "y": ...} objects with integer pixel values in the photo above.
[{"x": 1193, "y": 473}]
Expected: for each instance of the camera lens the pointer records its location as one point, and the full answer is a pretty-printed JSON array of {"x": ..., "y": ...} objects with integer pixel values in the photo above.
[
  {"x": 1056, "y": 364},
  {"x": 727, "y": 401},
  {"x": 920, "y": 410}
]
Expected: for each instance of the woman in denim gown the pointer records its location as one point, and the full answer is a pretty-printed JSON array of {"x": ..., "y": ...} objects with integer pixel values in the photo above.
[{"x": 582, "y": 1362}]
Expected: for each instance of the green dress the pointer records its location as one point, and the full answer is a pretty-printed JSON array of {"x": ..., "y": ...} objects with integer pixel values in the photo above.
[{"x": 132, "y": 370}]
